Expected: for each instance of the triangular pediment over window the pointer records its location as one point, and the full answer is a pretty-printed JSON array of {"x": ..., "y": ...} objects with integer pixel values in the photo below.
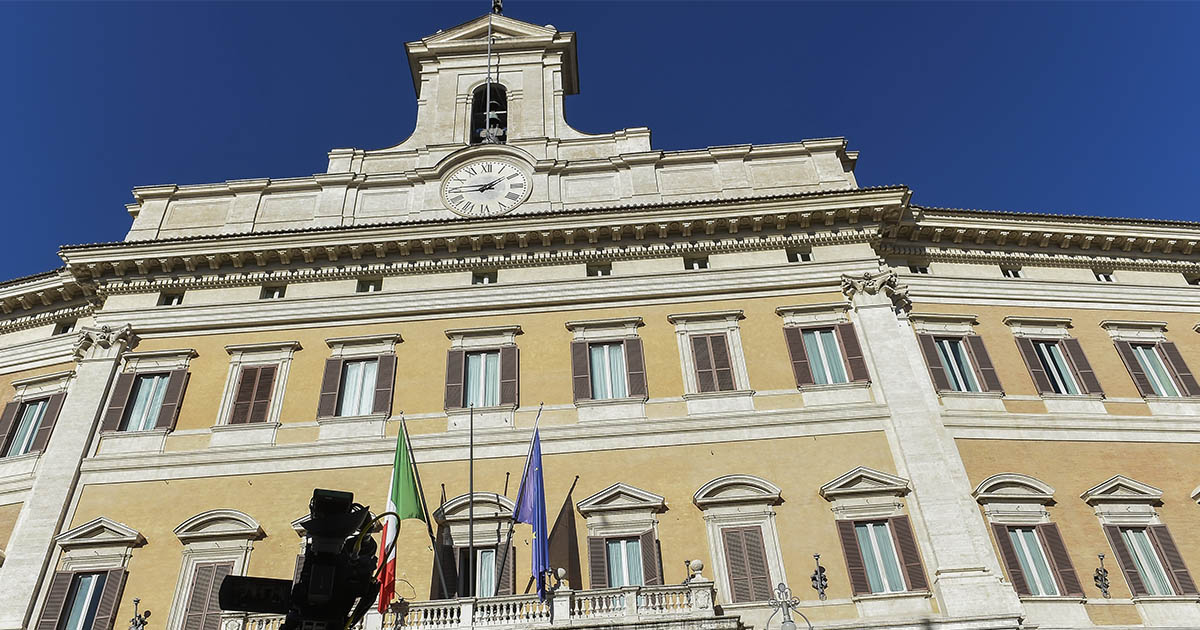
[
  {"x": 737, "y": 489},
  {"x": 100, "y": 532},
  {"x": 1124, "y": 490},
  {"x": 1013, "y": 487},
  {"x": 864, "y": 481},
  {"x": 622, "y": 497},
  {"x": 477, "y": 29},
  {"x": 223, "y": 524}
]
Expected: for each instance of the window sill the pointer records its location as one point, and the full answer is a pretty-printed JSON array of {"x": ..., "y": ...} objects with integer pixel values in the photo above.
[
  {"x": 125, "y": 442},
  {"x": 497, "y": 417},
  {"x": 836, "y": 393},
  {"x": 953, "y": 394},
  {"x": 18, "y": 466},
  {"x": 350, "y": 427},
  {"x": 251, "y": 433},
  {"x": 1078, "y": 403},
  {"x": 907, "y": 603},
  {"x": 730, "y": 393},
  {"x": 602, "y": 402},
  {"x": 699, "y": 403},
  {"x": 1072, "y": 396},
  {"x": 1053, "y": 598},
  {"x": 900, "y": 595},
  {"x": 1173, "y": 405},
  {"x": 363, "y": 418},
  {"x": 1172, "y": 599},
  {"x": 611, "y": 409},
  {"x": 972, "y": 401}
]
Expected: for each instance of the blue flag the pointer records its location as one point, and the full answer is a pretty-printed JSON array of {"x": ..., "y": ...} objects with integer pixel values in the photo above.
[{"x": 531, "y": 508}]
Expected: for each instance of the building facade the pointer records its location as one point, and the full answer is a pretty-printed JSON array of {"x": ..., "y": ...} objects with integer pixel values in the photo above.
[{"x": 746, "y": 367}]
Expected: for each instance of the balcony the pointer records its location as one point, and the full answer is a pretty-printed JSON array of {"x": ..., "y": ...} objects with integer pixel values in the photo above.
[{"x": 630, "y": 605}]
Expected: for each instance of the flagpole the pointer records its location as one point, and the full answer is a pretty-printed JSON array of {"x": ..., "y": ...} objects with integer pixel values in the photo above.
[
  {"x": 424, "y": 507},
  {"x": 512, "y": 524},
  {"x": 470, "y": 502}
]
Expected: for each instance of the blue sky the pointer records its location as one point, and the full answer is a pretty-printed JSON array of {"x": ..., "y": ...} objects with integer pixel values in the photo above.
[{"x": 1064, "y": 107}]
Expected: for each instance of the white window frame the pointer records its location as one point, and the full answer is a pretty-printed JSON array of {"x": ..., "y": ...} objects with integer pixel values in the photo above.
[
  {"x": 1012, "y": 272},
  {"x": 221, "y": 535},
  {"x": 623, "y": 542},
  {"x": 1026, "y": 560},
  {"x": 150, "y": 412},
  {"x": 607, "y": 361},
  {"x": 1143, "y": 352},
  {"x": 957, "y": 374},
  {"x": 740, "y": 500},
  {"x": 493, "y": 514},
  {"x": 1104, "y": 276},
  {"x": 1144, "y": 561},
  {"x": 611, "y": 330},
  {"x": 873, "y": 527},
  {"x": 366, "y": 389},
  {"x": 33, "y": 389},
  {"x": 710, "y": 323},
  {"x": 277, "y": 353},
  {"x": 481, "y": 375},
  {"x": 824, "y": 356},
  {"x": 472, "y": 340},
  {"x": 1058, "y": 369},
  {"x": 72, "y": 592},
  {"x": 273, "y": 292}
]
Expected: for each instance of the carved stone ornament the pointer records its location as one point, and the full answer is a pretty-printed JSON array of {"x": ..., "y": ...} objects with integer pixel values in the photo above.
[
  {"x": 94, "y": 341},
  {"x": 884, "y": 283}
]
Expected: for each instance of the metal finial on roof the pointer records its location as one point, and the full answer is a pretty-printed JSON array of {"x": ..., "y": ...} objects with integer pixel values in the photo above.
[{"x": 498, "y": 7}]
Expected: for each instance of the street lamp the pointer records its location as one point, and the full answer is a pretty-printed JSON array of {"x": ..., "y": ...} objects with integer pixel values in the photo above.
[{"x": 787, "y": 604}]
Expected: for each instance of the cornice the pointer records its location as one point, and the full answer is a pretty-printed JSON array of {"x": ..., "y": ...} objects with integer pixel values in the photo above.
[
  {"x": 1075, "y": 259},
  {"x": 47, "y": 317},
  {"x": 1052, "y": 294}
]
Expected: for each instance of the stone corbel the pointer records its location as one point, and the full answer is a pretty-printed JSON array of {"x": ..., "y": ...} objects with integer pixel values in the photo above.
[
  {"x": 97, "y": 342},
  {"x": 885, "y": 284}
]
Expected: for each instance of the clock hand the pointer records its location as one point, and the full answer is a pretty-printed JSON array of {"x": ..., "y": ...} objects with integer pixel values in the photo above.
[{"x": 490, "y": 185}]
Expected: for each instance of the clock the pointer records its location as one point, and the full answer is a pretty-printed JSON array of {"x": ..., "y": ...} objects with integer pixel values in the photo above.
[{"x": 486, "y": 188}]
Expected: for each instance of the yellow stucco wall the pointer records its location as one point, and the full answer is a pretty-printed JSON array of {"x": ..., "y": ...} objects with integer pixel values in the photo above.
[
  {"x": 798, "y": 465},
  {"x": 8, "y": 521}
]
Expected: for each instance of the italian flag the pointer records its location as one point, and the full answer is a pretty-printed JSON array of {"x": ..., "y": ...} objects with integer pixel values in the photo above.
[{"x": 405, "y": 501}]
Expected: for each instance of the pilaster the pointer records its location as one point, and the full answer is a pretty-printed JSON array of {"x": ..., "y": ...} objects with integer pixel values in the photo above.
[{"x": 31, "y": 548}]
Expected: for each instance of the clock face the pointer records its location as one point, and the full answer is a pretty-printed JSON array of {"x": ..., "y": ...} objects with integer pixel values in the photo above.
[{"x": 485, "y": 189}]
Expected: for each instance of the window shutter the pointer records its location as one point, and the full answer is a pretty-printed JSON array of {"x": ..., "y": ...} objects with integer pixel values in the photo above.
[
  {"x": 110, "y": 596},
  {"x": 735, "y": 565},
  {"x": 56, "y": 600},
  {"x": 852, "y": 351},
  {"x": 855, "y": 568},
  {"x": 706, "y": 378},
  {"x": 331, "y": 384},
  {"x": 1125, "y": 349},
  {"x": 203, "y": 611},
  {"x": 1181, "y": 579},
  {"x": 757, "y": 571},
  {"x": 1012, "y": 565},
  {"x": 506, "y": 581},
  {"x": 910, "y": 555},
  {"x": 455, "y": 371},
  {"x": 794, "y": 339},
  {"x": 635, "y": 367},
  {"x": 651, "y": 566},
  {"x": 177, "y": 382},
  {"x": 299, "y": 568},
  {"x": 721, "y": 363},
  {"x": 1060, "y": 560},
  {"x": 122, "y": 389},
  {"x": 581, "y": 377},
  {"x": 597, "y": 562},
  {"x": 1179, "y": 369},
  {"x": 1041, "y": 380},
  {"x": 1083, "y": 369},
  {"x": 934, "y": 362},
  {"x": 510, "y": 368},
  {"x": 446, "y": 557},
  {"x": 50, "y": 416},
  {"x": 1124, "y": 557},
  {"x": 7, "y": 418},
  {"x": 243, "y": 395},
  {"x": 983, "y": 364},
  {"x": 262, "y": 393},
  {"x": 385, "y": 378}
]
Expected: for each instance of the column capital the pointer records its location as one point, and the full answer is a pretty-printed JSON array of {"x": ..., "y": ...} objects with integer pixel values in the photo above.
[
  {"x": 104, "y": 342},
  {"x": 876, "y": 288}
]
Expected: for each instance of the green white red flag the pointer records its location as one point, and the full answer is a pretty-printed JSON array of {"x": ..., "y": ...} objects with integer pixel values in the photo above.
[{"x": 405, "y": 501}]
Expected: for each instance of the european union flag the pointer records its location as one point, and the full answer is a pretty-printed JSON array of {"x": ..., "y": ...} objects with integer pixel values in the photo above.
[{"x": 531, "y": 508}]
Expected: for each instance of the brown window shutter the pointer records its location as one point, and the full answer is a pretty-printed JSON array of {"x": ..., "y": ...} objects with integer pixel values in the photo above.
[
  {"x": 1012, "y": 565},
  {"x": 1125, "y": 349},
  {"x": 1083, "y": 369},
  {"x": 506, "y": 580},
  {"x": 56, "y": 600},
  {"x": 722, "y": 366},
  {"x": 385, "y": 379},
  {"x": 177, "y": 381},
  {"x": 110, "y": 596},
  {"x": 456, "y": 367},
  {"x": 597, "y": 562},
  {"x": 1179, "y": 369},
  {"x": 53, "y": 407},
  {"x": 706, "y": 378},
  {"x": 856, "y": 364},
  {"x": 203, "y": 611},
  {"x": 331, "y": 385},
  {"x": 1060, "y": 560},
  {"x": 262, "y": 393},
  {"x": 1041, "y": 380},
  {"x": 581, "y": 373},
  {"x": 7, "y": 419},
  {"x": 446, "y": 557},
  {"x": 933, "y": 361},
  {"x": 115, "y": 413},
  {"x": 910, "y": 555},
  {"x": 651, "y": 566},
  {"x": 1176, "y": 569},
  {"x": 736, "y": 566},
  {"x": 983, "y": 364},
  {"x": 299, "y": 568},
  {"x": 794, "y": 340},
  {"x": 635, "y": 367},
  {"x": 243, "y": 395},
  {"x": 855, "y": 568},
  {"x": 756, "y": 564},
  {"x": 510, "y": 370},
  {"x": 1124, "y": 557}
]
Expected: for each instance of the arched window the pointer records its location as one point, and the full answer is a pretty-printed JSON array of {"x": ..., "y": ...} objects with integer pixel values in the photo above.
[{"x": 498, "y": 127}]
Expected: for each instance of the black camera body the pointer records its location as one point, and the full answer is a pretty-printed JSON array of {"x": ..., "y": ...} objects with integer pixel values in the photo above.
[{"x": 338, "y": 571}]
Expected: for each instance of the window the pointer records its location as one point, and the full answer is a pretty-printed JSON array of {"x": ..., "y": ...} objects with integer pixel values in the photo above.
[
  {"x": 624, "y": 562},
  {"x": 203, "y": 611},
  {"x": 1145, "y": 559},
  {"x": 1155, "y": 370},
  {"x": 145, "y": 402},
  {"x": 879, "y": 557},
  {"x": 1050, "y": 355},
  {"x": 482, "y": 382},
  {"x": 1032, "y": 558},
  {"x": 695, "y": 262},
  {"x": 796, "y": 255},
  {"x": 369, "y": 285},
  {"x": 1104, "y": 276},
  {"x": 608, "y": 376},
  {"x": 922, "y": 269},
  {"x": 1012, "y": 272},
  {"x": 252, "y": 398},
  {"x": 64, "y": 327},
  {"x": 952, "y": 353},
  {"x": 714, "y": 372},
  {"x": 597, "y": 270},
  {"x": 83, "y": 601},
  {"x": 358, "y": 387},
  {"x": 483, "y": 277},
  {"x": 489, "y": 114},
  {"x": 743, "y": 540},
  {"x": 824, "y": 356},
  {"x": 746, "y": 564},
  {"x": 24, "y": 432},
  {"x": 170, "y": 298},
  {"x": 274, "y": 292},
  {"x": 483, "y": 583}
]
